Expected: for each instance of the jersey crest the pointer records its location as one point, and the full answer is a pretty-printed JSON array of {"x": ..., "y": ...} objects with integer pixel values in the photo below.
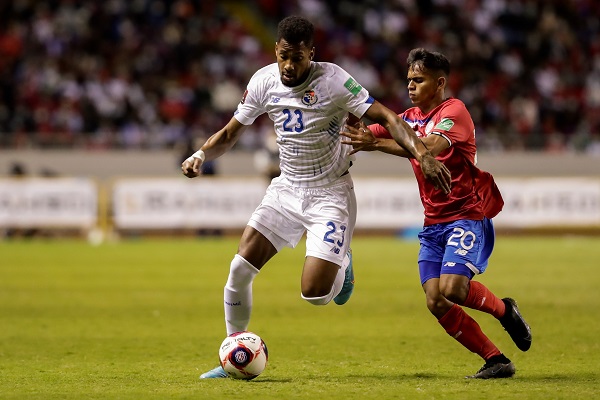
[
  {"x": 428, "y": 128},
  {"x": 309, "y": 98}
]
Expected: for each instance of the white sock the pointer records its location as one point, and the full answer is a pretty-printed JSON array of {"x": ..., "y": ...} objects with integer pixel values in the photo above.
[
  {"x": 340, "y": 277},
  {"x": 238, "y": 295},
  {"x": 319, "y": 301},
  {"x": 338, "y": 283}
]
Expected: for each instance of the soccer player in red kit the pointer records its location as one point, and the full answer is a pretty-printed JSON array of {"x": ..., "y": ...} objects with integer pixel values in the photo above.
[{"x": 458, "y": 235}]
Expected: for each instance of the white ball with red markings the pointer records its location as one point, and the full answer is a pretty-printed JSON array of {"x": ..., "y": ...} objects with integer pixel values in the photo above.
[{"x": 243, "y": 355}]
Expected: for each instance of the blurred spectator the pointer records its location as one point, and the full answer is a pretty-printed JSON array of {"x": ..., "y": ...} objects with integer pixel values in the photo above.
[
  {"x": 146, "y": 73},
  {"x": 18, "y": 171}
]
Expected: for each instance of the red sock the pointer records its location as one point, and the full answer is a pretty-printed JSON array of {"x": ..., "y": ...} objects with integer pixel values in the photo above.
[
  {"x": 467, "y": 332},
  {"x": 482, "y": 299}
]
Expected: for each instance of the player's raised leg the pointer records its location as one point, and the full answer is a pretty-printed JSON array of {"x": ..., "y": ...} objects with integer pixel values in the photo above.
[
  {"x": 505, "y": 310},
  {"x": 328, "y": 240}
]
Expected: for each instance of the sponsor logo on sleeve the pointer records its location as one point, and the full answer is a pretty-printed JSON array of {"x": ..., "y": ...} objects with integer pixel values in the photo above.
[
  {"x": 445, "y": 124},
  {"x": 352, "y": 86},
  {"x": 244, "y": 96}
]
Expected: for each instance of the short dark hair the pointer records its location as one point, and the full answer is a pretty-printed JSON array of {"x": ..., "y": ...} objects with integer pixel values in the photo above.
[
  {"x": 295, "y": 30},
  {"x": 431, "y": 60}
]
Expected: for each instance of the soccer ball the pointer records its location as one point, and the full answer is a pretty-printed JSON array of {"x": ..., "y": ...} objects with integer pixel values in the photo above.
[{"x": 243, "y": 355}]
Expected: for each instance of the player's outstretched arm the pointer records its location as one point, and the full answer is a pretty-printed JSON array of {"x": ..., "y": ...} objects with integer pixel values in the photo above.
[
  {"x": 432, "y": 169},
  {"x": 398, "y": 129},
  {"x": 361, "y": 138},
  {"x": 214, "y": 147}
]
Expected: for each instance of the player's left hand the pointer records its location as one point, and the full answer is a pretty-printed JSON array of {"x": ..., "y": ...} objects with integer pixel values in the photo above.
[
  {"x": 436, "y": 172},
  {"x": 361, "y": 137}
]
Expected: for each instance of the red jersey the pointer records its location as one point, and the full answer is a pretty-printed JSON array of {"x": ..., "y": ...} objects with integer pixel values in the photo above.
[{"x": 474, "y": 194}]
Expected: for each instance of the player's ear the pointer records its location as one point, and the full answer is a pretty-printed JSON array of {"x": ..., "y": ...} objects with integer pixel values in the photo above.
[
  {"x": 312, "y": 53},
  {"x": 441, "y": 82}
]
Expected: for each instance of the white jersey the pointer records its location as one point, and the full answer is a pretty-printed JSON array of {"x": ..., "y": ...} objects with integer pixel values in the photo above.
[{"x": 308, "y": 119}]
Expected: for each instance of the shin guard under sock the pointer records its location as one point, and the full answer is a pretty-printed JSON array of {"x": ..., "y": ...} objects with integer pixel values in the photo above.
[
  {"x": 467, "y": 332},
  {"x": 238, "y": 295},
  {"x": 482, "y": 299}
]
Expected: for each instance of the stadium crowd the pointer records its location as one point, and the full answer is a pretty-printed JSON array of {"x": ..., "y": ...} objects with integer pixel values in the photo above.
[{"x": 157, "y": 73}]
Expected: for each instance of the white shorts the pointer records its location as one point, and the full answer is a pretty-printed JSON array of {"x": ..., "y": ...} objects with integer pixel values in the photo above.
[{"x": 327, "y": 214}]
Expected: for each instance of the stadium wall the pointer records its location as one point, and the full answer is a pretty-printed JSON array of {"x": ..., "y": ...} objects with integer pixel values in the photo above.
[
  {"x": 134, "y": 163},
  {"x": 112, "y": 192}
]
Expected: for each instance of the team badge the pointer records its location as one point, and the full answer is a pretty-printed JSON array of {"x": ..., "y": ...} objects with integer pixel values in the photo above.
[
  {"x": 429, "y": 127},
  {"x": 309, "y": 98}
]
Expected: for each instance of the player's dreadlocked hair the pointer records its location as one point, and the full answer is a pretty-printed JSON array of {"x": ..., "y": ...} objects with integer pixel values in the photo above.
[
  {"x": 431, "y": 60},
  {"x": 295, "y": 30}
]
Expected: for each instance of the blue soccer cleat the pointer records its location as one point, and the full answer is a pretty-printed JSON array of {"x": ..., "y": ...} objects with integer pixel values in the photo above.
[
  {"x": 344, "y": 295},
  {"x": 218, "y": 372}
]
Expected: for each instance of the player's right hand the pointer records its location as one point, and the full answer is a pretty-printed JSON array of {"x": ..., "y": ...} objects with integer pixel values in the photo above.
[
  {"x": 191, "y": 167},
  {"x": 436, "y": 172},
  {"x": 361, "y": 137}
]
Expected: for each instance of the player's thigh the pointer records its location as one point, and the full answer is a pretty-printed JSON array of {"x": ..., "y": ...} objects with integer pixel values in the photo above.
[
  {"x": 330, "y": 222},
  {"x": 431, "y": 252},
  {"x": 276, "y": 216}
]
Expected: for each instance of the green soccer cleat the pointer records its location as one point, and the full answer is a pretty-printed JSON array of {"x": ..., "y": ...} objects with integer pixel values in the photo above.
[
  {"x": 344, "y": 295},
  {"x": 218, "y": 372}
]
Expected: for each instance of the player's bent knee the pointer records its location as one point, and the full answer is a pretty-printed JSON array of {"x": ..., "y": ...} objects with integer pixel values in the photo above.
[
  {"x": 437, "y": 305},
  {"x": 456, "y": 293},
  {"x": 432, "y": 304},
  {"x": 455, "y": 297},
  {"x": 455, "y": 287}
]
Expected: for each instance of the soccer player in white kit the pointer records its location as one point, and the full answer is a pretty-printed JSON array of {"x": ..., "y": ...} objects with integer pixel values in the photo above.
[{"x": 309, "y": 103}]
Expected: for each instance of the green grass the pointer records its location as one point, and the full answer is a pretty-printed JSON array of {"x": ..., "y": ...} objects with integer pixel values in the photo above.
[{"x": 142, "y": 319}]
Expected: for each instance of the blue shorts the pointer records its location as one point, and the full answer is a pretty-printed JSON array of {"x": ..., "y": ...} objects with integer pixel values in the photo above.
[{"x": 460, "y": 247}]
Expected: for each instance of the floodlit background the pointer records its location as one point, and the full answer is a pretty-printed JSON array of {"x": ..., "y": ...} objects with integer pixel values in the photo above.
[{"x": 106, "y": 92}]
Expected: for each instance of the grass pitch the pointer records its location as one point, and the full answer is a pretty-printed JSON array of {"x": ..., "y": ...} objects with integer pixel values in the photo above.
[{"x": 142, "y": 319}]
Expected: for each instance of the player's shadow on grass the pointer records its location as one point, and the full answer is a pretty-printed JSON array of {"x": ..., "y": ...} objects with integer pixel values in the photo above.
[
  {"x": 524, "y": 377},
  {"x": 273, "y": 380},
  {"x": 383, "y": 377},
  {"x": 564, "y": 377}
]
